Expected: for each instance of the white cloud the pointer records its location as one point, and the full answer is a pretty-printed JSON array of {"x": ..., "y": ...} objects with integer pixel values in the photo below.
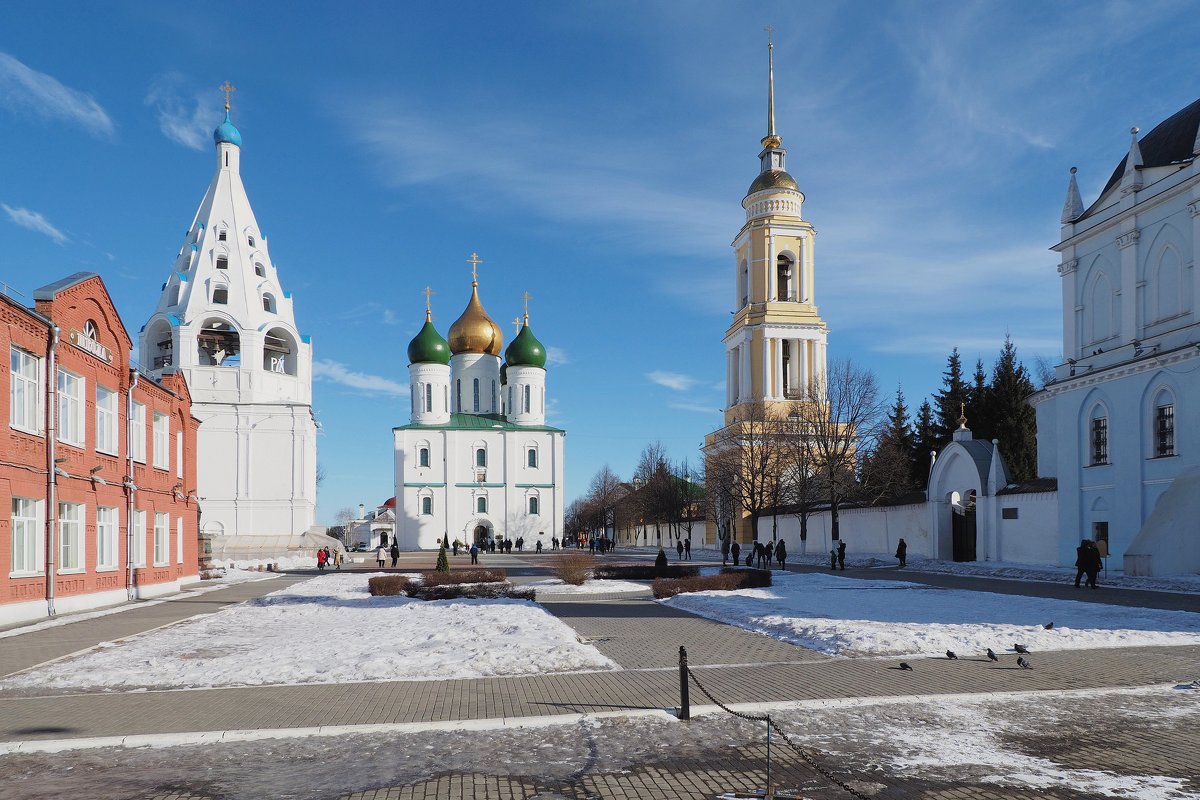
[
  {"x": 333, "y": 372},
  {"x": 699, "y": 408},
  {"x": 34, "y": 222},
  {"x": 672, "y": 380},
  {"x": 25, "y": 88},
  {"x": 185, "y": 119},
  {"x": 556, "y": 356}
]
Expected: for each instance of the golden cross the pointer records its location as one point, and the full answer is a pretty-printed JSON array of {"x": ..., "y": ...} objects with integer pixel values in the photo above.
[
  {"x": 517, "y": 324},
  {"x": 428, "y": 293},
  {"x": 770, "y": 29},
  {"x": 474, "y": 261},
  {"x": 227, "y": 87}
]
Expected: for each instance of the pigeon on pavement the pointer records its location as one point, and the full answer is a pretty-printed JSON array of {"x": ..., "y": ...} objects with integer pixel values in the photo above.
[
  {"x": 1020, "y": 648},
  {"x": 992, "y": 655},
  {"x": 950, "y": 654},
  {"x": 1023, "y": 664},
  {"x": 904, "y": 665}
]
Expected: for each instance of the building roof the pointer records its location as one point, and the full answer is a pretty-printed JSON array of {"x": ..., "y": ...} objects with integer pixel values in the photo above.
[
  {"x": 1171, "y": 142},
  {"x": 52, "y": 290},
  {"x": 479, "y": 422},
  {"x": 1035, "y": 486},
  {"x": 525, "y": 350}
]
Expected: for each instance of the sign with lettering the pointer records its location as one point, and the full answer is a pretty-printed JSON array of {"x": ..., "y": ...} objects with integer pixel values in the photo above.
[{"x": 91, "y": 347}]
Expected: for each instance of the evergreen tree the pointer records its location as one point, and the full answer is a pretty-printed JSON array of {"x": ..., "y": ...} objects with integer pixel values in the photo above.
[
  {"x": 951, "y": 399},
  {"x": 925, "y": 441},
  {"x": 443, "y": 563},
  {"x": 979, "y": 406},
  {"x": 1014, "y": 421},
  {"x": 897, "y": 435}
]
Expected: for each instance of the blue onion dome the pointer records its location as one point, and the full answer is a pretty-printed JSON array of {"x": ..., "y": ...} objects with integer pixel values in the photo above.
[
  {"x": 226, "y": 133},
  {"x": 525, "y": 350},
  {"x": 428, "y": 346}
]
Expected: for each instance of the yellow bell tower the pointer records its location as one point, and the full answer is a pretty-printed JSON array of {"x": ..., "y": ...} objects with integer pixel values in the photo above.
[{"x": 775, "y": 346}]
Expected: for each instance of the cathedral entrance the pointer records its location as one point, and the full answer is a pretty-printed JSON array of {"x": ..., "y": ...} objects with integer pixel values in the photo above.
[
  {"x": 478, "y": 531},
  {"x": 963, "y": 529},
  {"x": 481, "y": 534}
]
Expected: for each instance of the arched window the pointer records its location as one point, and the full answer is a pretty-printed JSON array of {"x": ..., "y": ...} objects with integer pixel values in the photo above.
[
  {"x": 279, "y": 352},
  {"x": 1168, "y": 286},
  {"x": 221, "y": 234},
  {"x": 481, "y": 504},
  {"x": 250, "y": 241},
  {"x": 260, "y": 270},
  {"x": 533, "y": 505},
  {"x": 218, "y": 344},
  {"x": 1098, "y": 435},
  {"x": 480, "y": 457},
  {"x": 221, "y": 296},
  {"x": 268, "y": 303},
  {"x": 531, "y": 457},
  {"x": 493, "y": 408},
  {"x": 429, "y": 398},
  {"x": 743, "y": 284},
  {"x": 784, "y": 273},
  {"x": 475, "y": 401},
  {"x": 222, "y": 262},
  {"x": 458, "y": 394},
  {"x": 1164, "y": 425},
  {"x": 427, "y": 506},
  {"x": 527, "y": 395},
  {"x": 1100, "y": 311},
  {"x": 161, "y": 339},
  {"x": 423, "y": 457}
]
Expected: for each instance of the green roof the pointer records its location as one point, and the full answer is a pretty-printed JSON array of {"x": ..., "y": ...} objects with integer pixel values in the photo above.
[
  {"x": 525, "y": 350},
  {"x": 428, "y": 346},
  {"x": 478, "y": 422}
]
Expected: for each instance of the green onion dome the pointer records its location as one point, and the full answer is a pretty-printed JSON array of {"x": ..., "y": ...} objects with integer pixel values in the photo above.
[
  {"x": 525, "y": 350},
  {"x": 428, "y": 346}
]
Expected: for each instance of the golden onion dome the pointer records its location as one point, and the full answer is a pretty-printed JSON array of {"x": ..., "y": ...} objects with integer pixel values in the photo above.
[
  {"x": 474, "y": 331},
  {"x": 773, "y": 179}
]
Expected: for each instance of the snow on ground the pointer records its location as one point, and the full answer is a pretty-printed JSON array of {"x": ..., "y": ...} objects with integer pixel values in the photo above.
[
  {"x": 281, "y": 564},
  {"x": 555, "y": 586},
  {"x": 851, "y": 617},
  {"x": 330, "y": 630}
]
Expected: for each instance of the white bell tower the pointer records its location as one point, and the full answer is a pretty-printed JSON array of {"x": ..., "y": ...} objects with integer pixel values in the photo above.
[{"x": 226, "y": 323}]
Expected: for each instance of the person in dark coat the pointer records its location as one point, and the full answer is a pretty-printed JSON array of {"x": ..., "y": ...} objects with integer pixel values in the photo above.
[
  {"x": 395, "y": 553},
  {"x": 781, "y": 554},
  {"x": 538, "y": 546},
  {"x": 735, "y": 550},
  {"x": 1095, "y": 563},
  {"x": 660, "y": 564},
  {"x": 474, "y": 554},
  {"x": 902, "y": 552},
  {"x": 725, "y": 550},
  {"x": 679, "y": 550},
  {"x": 1082, "y": 560},
  {"x": 842, "y": 555},
  {"x": 687, "y": 549},
  {"x": 833, "y": 559}
]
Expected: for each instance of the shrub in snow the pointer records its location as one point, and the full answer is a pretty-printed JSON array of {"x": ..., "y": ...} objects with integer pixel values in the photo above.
[
  {"x": 443, "y": 563},
  {"x": 470, "y": 592},
  {"x": 463, "y": 576},
  {"x": 388, "y": 585},
  {"x": 642, "y": 572},
  {"x": 574, "y": 568},
  {"x": 727, "y": 581}
]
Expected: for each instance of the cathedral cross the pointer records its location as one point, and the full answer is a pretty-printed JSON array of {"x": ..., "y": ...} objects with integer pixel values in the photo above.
[
  {"x": 526, "y": 298},
  {"x": 227, "y": 88},
  {"x": 474, "y": 261},
  {"x": 428, "y": 293},
  {"x": 516, "y": 323},
  {"x": 770, "y": 29}
]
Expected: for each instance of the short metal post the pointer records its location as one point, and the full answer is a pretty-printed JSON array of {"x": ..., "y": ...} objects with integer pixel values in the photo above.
[
  {"x": 770, "y": 790},
  {"x": 685, "y": 707}
]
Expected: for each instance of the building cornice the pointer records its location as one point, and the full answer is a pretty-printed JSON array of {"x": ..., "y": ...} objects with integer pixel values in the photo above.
[{"x": 1122, "y": 369}]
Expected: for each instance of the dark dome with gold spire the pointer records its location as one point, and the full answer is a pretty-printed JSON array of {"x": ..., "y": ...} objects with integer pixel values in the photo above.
[{"x": 474, "y": 331}]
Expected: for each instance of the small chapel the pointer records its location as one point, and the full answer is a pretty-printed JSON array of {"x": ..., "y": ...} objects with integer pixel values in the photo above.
[{"x": 477, "y": 462}]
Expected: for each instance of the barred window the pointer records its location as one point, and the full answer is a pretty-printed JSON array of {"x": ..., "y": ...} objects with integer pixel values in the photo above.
[
  {"x": 1099, "y": 440},
  {"x": 1164, "y": 431}
]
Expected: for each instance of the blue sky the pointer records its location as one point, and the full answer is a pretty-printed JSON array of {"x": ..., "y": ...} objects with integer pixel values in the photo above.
[{"x": 594, "y": 155}]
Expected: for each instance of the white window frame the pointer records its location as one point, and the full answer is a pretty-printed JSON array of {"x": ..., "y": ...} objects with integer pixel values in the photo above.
[
  {"x": 27, "y": 529},
  {"x": 72, "y": 405},
  {"x": 137, "y": 432},
  {"x": 25, "y": 391},
  {"x": 162, "y": 440},
  {"x": 108, "y": 523},
  {"x": 162, "y": 539},
  {"x": 179, "y": 539},
  {"x": 139, "y": 538},
  {"x": 106, "y": 420},
  {"x": 72, "y": 548},
  {"x": 179, "y": 454},
  {"x": 534, "y": 505}
]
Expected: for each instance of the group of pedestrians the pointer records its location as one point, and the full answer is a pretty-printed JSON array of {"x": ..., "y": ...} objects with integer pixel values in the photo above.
[
  {"x": 383, "y": 553},
  {"x": 325, "y": 557},
  {"x": 684, "y": 548},
  {"x": 760, "y": 555},
  {"x": 1088, "y": 561}
]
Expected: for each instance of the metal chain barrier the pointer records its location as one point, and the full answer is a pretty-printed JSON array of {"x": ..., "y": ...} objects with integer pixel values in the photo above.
[{"x": 804, "y": 754}]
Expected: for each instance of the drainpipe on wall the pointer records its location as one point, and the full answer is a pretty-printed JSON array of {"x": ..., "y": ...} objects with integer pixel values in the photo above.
[
  {"x": 51, "y": 466},
  {"x": 130, "y": 488}
]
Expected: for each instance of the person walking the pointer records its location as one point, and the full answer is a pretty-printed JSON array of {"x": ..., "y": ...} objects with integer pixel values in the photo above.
[
  {"x": 1095, "y": 563},
  {"x": 833, "y": 559},
  {"x": 339, "y": 556},
  {"x": 660, "y": 563},
  {"x": 474, "y": 554},
  {"x": 1082, "y": 560},
  {"x": 687, "y": 548},
  {"x": 902, "y": 553},
  {"x": 322, "y": 557},
  {"x": 679, "y": 550},
  {"x": 842, "y": 555},
  {"x": 380, "y": 555},
  {"x": 395, "y": 553},
  {"x": 538, "y": 546},
  {"x": 735, "y": 550},
  {"x": 781, "y": 554},
  {"x": 725, "y": 550}
]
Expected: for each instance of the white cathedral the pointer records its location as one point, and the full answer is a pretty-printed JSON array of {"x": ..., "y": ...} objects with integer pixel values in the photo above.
[
  {"x": 477, "y": 461},
  {"x": 226, "y": 323}
]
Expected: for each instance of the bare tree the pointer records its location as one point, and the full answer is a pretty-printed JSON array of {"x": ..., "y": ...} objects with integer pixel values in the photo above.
[
  {"x": 801, "y": 479},
  {"x": 746, "y": 454},
  {"x": 604, "y": 494},
  {"x": 345, "y": 518},
  {"x": 652, "y": 487},
  {"x": 689, "y": 497},
  {"x": 840, "y": 411}
]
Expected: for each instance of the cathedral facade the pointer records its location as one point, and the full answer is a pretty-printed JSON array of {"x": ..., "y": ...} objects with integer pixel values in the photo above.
[
  {"x": 477, "y": 462},
  {"x": 1118, "y": 425},
  {"x": 225, "y": 322}
]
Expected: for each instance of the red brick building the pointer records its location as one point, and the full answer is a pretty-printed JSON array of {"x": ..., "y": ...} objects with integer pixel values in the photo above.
[{"x": 97, "y": 460}]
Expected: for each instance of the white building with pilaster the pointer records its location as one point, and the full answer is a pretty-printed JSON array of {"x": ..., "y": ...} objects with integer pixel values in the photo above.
[
  {"x": 1120, "y": 423},
  {"x": 477, "y": 461},
  {"x": 225, "y": 322}
]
